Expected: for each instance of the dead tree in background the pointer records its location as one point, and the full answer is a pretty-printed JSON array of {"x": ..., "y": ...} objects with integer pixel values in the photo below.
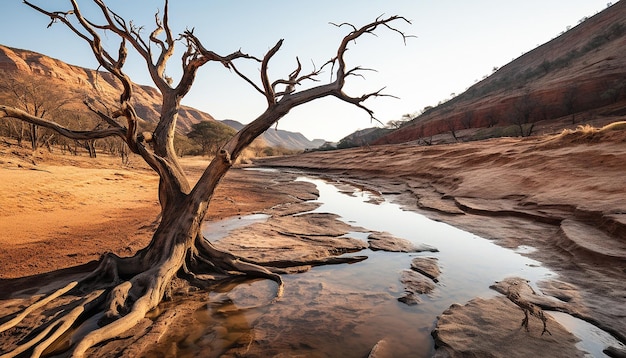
[
  {"x": 122, "y": 290},
  {"x": 448, "y": 124},
  {"x": 570, "y": 98},
  {"x": 467, "y": 119},
  {"x": 523, "y": 111},
  {"x": 35, "y": 98}
]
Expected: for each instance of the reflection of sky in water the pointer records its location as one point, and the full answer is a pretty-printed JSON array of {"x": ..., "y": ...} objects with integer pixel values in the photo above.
[
  {"x": 469, "y": 265},
  {"x": 215, "y": 230},
  {"x": 595, "y": 339}
]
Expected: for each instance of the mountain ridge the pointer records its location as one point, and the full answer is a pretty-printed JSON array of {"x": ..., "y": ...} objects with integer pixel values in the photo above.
[
  {"x": 281, "y": 138},
  {"x": 80, "y": 83}
]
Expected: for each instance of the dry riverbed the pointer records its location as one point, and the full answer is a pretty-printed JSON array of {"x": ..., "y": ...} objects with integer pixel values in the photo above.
[{"x": 562, "y": 196}]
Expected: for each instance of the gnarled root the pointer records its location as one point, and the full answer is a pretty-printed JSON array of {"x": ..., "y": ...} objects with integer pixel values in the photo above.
[
  {"x": 57, "y": 320},
  {"x": 118, "y": 294},
  {"x": 48, "y": 336},
  {"x": 226, "y": 262},
  {"x": 20, "y": 316}
]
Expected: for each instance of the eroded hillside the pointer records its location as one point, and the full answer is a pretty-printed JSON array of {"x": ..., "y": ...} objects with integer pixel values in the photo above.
[
  {"x": 75, "y": 84},
  {"x": 575, "y": 78}
]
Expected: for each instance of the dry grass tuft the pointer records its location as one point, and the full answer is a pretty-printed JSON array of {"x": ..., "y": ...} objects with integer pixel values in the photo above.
[
  {"x": 615, "y": 126},
  {"x": 590, "y": 134},
  {"x": 583, "y": 133}
]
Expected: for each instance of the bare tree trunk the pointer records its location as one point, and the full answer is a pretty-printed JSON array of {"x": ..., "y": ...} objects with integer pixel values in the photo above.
[
  {"x": 90, "y": 145},
  {"x": 33, "y": 136},
  {"x": 122, "y": 290}
]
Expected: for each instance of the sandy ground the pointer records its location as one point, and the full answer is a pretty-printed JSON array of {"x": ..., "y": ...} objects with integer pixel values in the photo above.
[
  {"x": 58, "y": 211},
  {"x": 563, "y": 196}
]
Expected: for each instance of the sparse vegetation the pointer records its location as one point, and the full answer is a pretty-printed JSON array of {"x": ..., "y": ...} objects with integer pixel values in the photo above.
[
  {"x": 588, "y": 133},
  {"x": 210, "y": 136},
  {"x": 615, "y": 126},
  {"x": 496, "y": 132}
]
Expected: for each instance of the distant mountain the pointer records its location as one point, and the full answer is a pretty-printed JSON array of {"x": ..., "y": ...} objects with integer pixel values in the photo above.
[
  {"x": 362, "y": 137},
  {"x": 282, "y": 138},
  {"x": 577, "y": 77},
  {"x": 74, "y": 84}
]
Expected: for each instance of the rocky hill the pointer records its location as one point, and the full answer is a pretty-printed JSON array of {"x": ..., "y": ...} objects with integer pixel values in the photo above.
[
  {"x": 76, "y": 83},
  {"x": 73, "y": 84},
  {"x": 282, "y": 138},
  {"x": 575, "y": 78}
]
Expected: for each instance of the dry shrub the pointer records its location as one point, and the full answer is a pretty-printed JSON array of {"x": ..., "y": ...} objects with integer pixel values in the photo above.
[
  {"x": 590, "y": 134},
  {"x": 582, "y": 133}
]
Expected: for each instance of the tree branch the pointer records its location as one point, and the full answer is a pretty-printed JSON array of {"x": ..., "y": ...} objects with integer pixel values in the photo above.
[
  {"x": 293, "y": 80},
  {"x": 339, "y": 70},
  {"x": 197, "y": 55},
  {"x": 66, "y": 132},
  {"x": 105, "y": 117},
  {"x": 268, "y": 88}
]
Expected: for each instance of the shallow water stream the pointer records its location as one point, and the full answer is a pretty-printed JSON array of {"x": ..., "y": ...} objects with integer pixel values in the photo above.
[{"x": 343, "y": 311}]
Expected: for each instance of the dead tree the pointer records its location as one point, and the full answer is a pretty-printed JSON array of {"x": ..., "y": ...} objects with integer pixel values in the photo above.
[
  {"x": 121, "y": 290},
  {"x": 523, "y": 111},
  {"x": 36, "y": 98}
]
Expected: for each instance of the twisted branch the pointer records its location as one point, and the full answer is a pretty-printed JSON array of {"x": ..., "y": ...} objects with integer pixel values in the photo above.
[{"x": 12, "y": 112}]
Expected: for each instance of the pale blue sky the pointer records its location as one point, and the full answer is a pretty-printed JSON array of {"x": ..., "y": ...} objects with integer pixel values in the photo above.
[{"x": 457, "y": 43}]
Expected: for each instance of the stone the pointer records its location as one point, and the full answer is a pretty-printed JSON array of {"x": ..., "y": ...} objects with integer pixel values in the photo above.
[
  {"x": 427, "y": 266},
  {"x": 386, "y": 242},
  {"x": 414, "y": 284},
  {"x": 491, "y": 328}
]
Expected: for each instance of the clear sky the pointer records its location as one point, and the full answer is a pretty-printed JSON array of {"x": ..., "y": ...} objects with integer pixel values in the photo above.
[{"x": 457, "y": 43}]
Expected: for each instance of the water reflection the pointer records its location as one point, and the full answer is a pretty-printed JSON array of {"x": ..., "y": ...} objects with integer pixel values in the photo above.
[
  {"x": 469, "y": 263},
  {"x": 215, "y": 230},
  {"x": 594, "y": 340},
  {"x": 345, "y": 310}
]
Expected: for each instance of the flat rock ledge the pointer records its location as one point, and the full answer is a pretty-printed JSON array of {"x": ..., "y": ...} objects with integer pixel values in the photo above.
[
  {"x": 292, "y": 239},
  {"x": 579, "y": 237},
  {"x": 387, "y": 242}
]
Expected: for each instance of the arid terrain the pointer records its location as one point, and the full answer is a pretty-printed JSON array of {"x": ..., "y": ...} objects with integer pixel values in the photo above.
[
  {"x": 563, "y": 195},
  {"x": 521, "y": 177}
]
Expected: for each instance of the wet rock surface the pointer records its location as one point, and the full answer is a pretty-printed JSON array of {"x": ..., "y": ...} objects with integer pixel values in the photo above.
[
  {"x": 427, "y": 266},
  {"x": 415, "y": 284},
  {"x": 449, "y": 184},
  {"x": 293, "y": 238},
  {"x": 574, "y": 217},
  {"x": 491, "y": 328},
  {"x": 387, "y": 242}
]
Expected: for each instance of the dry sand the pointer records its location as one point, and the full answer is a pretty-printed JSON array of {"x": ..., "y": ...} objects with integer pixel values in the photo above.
[{"x": 58, "y": 211}]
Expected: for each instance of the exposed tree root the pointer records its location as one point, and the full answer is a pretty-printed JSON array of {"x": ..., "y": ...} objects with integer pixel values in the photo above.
[
  {"x": 526, "y": 306},
  {"x": 120, "y": 292},
  {"x": 47, "y": 337},
  {"x": 19, "y": 317}
]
